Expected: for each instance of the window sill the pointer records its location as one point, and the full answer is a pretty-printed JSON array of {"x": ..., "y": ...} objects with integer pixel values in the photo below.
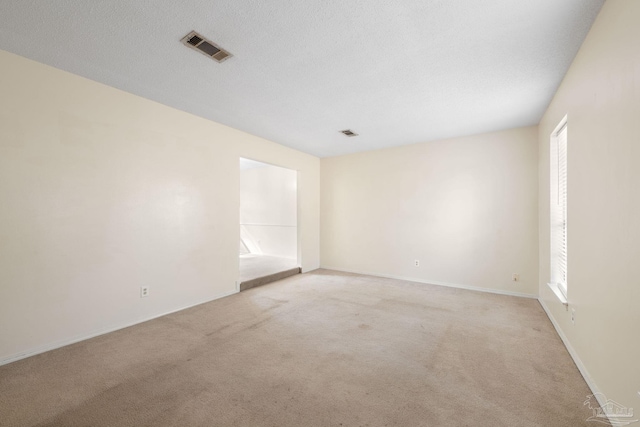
[{"x": 558, "y": 293}]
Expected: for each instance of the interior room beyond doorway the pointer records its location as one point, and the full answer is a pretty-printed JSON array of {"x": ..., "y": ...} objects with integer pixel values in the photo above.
[{"x": 268, "y": 223}]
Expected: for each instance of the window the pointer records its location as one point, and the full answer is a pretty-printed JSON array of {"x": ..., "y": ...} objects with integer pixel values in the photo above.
[{"x": 558, "y": 208}]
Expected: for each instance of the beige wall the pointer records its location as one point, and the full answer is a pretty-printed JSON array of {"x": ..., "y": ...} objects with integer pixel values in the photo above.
[
  {"x": 268, "y": 210},
  {"x": 103, "y": 192},
  {"x": 601, "y": 96},
  {"x": 466, "y": 208}
]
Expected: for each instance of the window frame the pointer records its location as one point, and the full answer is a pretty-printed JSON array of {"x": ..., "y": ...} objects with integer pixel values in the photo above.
[{"x": 558, "y": 217}]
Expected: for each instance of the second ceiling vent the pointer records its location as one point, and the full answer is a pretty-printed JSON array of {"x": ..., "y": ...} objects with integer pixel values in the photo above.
[
  {"x": 349, "y": 132},
  {"x": 206, "y": 47}
]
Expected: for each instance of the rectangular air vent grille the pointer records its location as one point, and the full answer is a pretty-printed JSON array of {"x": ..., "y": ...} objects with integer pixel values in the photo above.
[
  {"x": 349, "y": 132},
  {"x": 206, "y": 47}
]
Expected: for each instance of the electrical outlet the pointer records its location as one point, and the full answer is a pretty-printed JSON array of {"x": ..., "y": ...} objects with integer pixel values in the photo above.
[
  {"x": 515, "y": 277},
  {"x": 417, "y": 263},
  {"x": 144, "y": 291},
  {"x": 573, "y": 316}
]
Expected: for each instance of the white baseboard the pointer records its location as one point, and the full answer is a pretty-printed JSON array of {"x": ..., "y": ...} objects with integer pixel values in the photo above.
[
  {"x": 435, "y": 282},
  {"x": 574, "y": 355},
  {"x": 102, "y": 331}
]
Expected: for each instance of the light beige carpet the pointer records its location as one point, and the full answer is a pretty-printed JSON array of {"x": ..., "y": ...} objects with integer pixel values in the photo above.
[{"x": 317, "y": 349}]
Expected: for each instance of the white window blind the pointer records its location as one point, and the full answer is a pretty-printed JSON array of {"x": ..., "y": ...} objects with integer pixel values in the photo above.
[{"x": 558, "y": 204}]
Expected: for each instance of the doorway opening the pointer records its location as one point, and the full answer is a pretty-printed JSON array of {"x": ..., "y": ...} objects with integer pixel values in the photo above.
[{"x": 268, "y": 246}]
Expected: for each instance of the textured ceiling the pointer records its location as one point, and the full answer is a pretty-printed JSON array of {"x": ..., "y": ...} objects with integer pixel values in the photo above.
[{"x": 396, "y": 72}]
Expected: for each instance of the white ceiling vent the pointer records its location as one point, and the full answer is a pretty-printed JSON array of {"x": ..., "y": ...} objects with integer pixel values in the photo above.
[
  {"x": 349, "y": 132},
  {"x": 206, "y": 47}
]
